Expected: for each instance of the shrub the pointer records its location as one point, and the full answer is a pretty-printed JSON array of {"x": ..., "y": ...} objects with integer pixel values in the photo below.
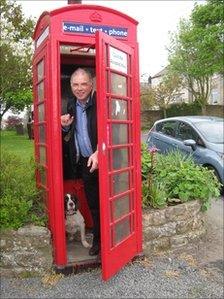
[
  {"x": 176, "y": 178},
  {"x": 20, "y": 200},
  {"x": 182, "y": 109},
  {"x": 13, "y": 121}
]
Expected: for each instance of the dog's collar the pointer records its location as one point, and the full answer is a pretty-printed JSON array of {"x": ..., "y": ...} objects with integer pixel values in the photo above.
[{"x": 70, "y": 214}]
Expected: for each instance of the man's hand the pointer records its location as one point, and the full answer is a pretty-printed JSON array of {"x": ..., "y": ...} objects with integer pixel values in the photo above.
[
  {"x": 66, "y": 120},
  {"x": 93, "y": 161}
]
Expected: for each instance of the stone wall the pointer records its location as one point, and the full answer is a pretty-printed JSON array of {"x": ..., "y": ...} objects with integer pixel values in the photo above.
[
  {"x": 172, "y": 228},
  {"x": 25, "y": 252},
  {"x": 28, "y": 251},
  {"x": 148, "y": 117}
]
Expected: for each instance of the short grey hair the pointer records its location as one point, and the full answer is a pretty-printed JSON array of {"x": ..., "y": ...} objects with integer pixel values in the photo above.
[{"x": 82, "y": 71}]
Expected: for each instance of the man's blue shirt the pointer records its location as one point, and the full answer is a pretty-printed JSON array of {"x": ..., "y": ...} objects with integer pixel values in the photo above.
[{"x": 81, "y": 131}]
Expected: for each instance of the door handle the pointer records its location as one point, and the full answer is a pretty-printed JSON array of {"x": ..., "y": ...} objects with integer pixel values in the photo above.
[{"x": 103, "y": 148}]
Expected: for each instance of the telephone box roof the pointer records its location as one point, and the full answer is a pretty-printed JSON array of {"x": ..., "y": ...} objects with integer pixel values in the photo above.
[{"x": 82, "y": 6}]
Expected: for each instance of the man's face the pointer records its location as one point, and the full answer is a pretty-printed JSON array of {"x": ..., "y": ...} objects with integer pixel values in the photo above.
[{"x": 81, "y": 86}]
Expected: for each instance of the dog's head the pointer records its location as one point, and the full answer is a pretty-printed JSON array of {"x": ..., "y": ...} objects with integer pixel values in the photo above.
[{"x": 71, "y": 204}]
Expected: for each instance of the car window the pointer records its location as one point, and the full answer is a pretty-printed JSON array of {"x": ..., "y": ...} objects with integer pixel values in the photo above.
[
  {"x": 166, "y": 128},
  {"x": 185, "y": 132},
  {"x": 212, "y": 131}
]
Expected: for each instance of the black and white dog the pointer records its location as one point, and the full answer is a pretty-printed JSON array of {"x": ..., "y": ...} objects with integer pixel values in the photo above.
[{"x": 74, "y": 220}]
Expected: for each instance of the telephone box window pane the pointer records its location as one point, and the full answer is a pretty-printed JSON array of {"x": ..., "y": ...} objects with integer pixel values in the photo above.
[
  {"x": 42, "y": 137},
  {"x": 42, "y": 176},
  {"x": 40, "y": 91},
  {"x": 120, "y": 158},
  {"x": 41, "y": 112},
  {"x": 120, "y": 182},
  {"x": 118, "y": 84},
  {"x": 42, "y": 153},
  {"x": 122, "y": 230},
  {"x": 121, "y": 207},
  {"x": 119, "y": 109},
  {"x": 40, "y": 70},
  {"x": 119, "y": 134}
]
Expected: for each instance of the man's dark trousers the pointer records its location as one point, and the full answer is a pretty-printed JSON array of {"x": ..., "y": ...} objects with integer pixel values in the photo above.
[{"x": 91, "y": 188}]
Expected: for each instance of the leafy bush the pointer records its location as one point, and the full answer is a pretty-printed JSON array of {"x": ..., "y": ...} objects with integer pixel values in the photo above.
[
  {"x": 182, "y": 109},
  {"x": 20, "y": 200},
  {"x": 13, "y": 121},
  {"x": 176, "y": 178}
]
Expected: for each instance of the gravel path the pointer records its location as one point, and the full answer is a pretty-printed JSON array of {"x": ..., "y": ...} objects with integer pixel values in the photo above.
[
  {"x": 159, "y": 278},
  {"x": 179, "y": 276}
]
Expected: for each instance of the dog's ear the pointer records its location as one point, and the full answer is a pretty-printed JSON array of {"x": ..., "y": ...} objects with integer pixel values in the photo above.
[
  {"x": 65, "y": 202},
  {"x": 76, "y": 201}
]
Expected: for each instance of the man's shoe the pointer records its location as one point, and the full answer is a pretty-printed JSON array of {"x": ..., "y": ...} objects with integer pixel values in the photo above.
[{"x": 94, "y": 250}]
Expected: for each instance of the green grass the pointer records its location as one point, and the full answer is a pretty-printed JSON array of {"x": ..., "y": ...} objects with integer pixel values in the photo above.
[{"x": 17, "y": 144}]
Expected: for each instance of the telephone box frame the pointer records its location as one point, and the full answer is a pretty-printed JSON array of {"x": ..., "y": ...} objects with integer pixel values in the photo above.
[{"x": 50, "y": 34}]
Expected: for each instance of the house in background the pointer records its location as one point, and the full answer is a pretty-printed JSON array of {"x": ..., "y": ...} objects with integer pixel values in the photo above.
[
  {"x": 216, "y": 96},
  {"x": 217, "y": 90}
]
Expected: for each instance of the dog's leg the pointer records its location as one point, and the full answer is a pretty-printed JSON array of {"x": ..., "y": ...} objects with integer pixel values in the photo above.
[{"x": 83, "y": 237}]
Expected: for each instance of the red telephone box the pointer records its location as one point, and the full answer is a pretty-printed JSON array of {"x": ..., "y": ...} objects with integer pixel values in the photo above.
[{"x": 105, "y": 41}]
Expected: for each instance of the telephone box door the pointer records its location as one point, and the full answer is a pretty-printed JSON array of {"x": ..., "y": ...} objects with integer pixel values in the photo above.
[{"x": 119, "y": 154}]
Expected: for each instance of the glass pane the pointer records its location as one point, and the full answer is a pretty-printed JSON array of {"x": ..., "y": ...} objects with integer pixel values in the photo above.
[
  {"x": 40, "y": 70},
  {"x": 119, "y": 134},
  {"x": 41, "y": 112},
  {"x": 120, "y": 182},
  {"x": 42, "y": 137},
  {"x": 42, "y": 153},
  {"x": 118, "y": 84},
  {"x": 121, "y": 206},
  {"x": 120, "y": 158},
  {"x": 42, "y": 172},
  {"x": 40, "y": 91},
  {"x": 119, "y": 109},
  {"x": 122, "y": 230}
]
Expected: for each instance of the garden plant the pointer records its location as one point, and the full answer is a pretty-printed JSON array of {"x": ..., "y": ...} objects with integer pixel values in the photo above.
[
  {"x": 21, "y": 202},
  {"x": 175, "y": 178}
]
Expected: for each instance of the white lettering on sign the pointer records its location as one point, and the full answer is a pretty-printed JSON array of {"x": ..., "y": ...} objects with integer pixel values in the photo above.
[
  {"x": 42, "y": 37},
  {"x": 118, "y": 60},
  {"x": 119, "y": 32}
]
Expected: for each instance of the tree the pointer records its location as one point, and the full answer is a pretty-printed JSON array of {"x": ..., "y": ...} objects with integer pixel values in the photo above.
[
  {"x": 15, "y": 57},
  {"x": 167, "y": 89},
  {"x": 147, "y": 98},
  {"x": 196, "y": 51},
  {"x": 163, "y": 94}
]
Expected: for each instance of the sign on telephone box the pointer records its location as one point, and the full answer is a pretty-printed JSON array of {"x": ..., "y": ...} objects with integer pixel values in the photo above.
[{"x": 104, "y": 41}]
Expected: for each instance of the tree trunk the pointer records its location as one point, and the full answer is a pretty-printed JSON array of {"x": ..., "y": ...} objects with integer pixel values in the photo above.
[{"x": 203, "y": 110}]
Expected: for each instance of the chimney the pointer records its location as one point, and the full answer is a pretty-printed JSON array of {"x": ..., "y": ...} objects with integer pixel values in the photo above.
[{"x": 74, "y": 1}]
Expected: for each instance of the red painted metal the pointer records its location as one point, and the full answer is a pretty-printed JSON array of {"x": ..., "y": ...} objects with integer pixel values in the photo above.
[
  {"x": 116, "y": 256},
  {"x": 48, "y": 37}
]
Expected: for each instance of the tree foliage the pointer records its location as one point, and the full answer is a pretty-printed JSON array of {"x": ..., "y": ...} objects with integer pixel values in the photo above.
[
  {"x": 15, "y": 57},
  {"x": 147, "y": 98},
  {"x": 196, "y": 50},
  {"x": 162, "y": 95},
  {"x": 166, "y": 90}
]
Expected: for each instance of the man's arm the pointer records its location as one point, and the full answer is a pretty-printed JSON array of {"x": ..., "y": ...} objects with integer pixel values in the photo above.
[{"x": 93, "y": 161}]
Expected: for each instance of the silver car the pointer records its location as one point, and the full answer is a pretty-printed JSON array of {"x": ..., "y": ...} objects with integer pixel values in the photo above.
[{"x": 200, "y": 136}]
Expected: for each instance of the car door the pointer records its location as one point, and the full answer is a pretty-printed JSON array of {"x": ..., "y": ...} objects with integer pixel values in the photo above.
[
  {"x": 163, "y": 138},
  {"x": 185, "y": 132}
]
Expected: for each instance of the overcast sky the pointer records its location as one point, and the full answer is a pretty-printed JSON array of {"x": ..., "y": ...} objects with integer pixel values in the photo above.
[{"x": 156, "y": 19}]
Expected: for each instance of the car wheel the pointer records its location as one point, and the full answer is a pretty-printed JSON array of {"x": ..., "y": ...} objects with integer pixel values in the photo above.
[
  {"x": 214, "y": 171},
  {"x": 217, "y": 176}
]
